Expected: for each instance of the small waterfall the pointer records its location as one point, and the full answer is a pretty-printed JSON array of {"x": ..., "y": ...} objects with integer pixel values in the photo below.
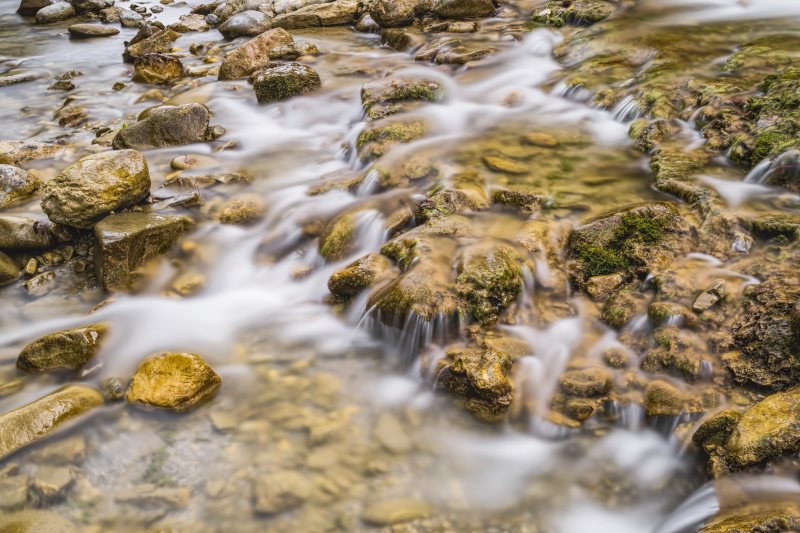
[
  {"x": 781, "y": 169},
  {"x": 627, "y": 110}
]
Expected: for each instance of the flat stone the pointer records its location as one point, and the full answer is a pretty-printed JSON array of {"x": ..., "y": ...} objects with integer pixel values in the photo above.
[
  {"x": 36, "y": 521},
  {"x": 281, "y": 491},
  {"x": 85, "y": 31},
  {"x": 166, "y": 126},
  {"x": 175, "y": 381},
  {"x": 337, "y": 13},
  {"x": 395, "y": 511},
  {"x": 25, "y": 233},
  {"x": 15, "y": 152},
  {"x": 69, "y": 349}
]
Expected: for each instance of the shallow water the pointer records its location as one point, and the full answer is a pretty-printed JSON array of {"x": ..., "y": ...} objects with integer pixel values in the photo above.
[{"x": 335, "y": 395}]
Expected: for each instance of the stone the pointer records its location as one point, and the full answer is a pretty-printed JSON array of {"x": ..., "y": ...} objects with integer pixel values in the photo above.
[
  {"x": 55, "y": 13},
  {"x": 541, "y": 139},
  {"x": 672, "y": 314},
  {"x": 166, "y": 126},
  {"x": 191, "y": 161},
  {"x": 458, "y": 9},
  {"x": 130, "y": 19},
  {"x": 9, "y": 271},
  {"x": 386, "y": 97},
  {"x": 92, "y": 6},
  {"x": 286, "y": 6},
  {"x": 579, "y": 12},
  {"x": 375, "y": 141},
  {"x": 24, "y": 233},
  {"x": 30, "y": 7},
  {"x": 489, "y": 280},
  {"x": 358, "y": 275},
  {"x": 27, "y": 424},
  {"x": 40, "y": 285},
  {"x": 85, "y": 31},
  {"x": 389, "y": 431},
  {"x": 16, "y": 185},
  {"x": 191, "y": 22},
  {"x": 395, "y": 511},
  {"x": 243, "y": 209},
  {"x": 69, "y": 349},
  {"x": 285, "y": 81},
  {"x": 337, "y": 240},
  {"x": 245, "y": 24},
  {"x": 293, "y": 51},
  {"x": 774, "y": 516},
  {"x": 36, "y": 521},
  {"x": 621, "y": 307},
  {"x": 505, "y": 165},
  {"x": 13, "y": 79},
  {"x": 157, "y": 43},
  {"x": 524, "y": 201},
  {"x": 126, "y": 241},
  {"x": 281, "y": 491},
  {"x": 676, "y": 351},
  {"x": 586, "y": 383},
  {"x": 16, "y": 152},
  {"x": 708, "y": 298},
  {"x": 96, "y": 185},
  {"x": 174, "y": 381},
  {"x": 51, "y": 484},
  {"x": 158, "y": 69},
  {"x": 600, "y": 288},
  {"x": 13, "y": 492},
  {"x": 253, "y": 54},
  {"x": 480, "y": 377},
  {"x": 336, "y": 13},
  {"x": 395, "y": 13}
]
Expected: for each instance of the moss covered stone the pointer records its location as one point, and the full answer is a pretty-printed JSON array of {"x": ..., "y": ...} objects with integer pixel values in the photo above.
[
  {"x": 9, "y": 271},
  {"x": 174, "y": 381},
  {"x": 337, "y": 240},
  {"x": 489, "y": 280},
  {"x": 69, "y": 349},
  {"x": 586, "y": 383},
  {"x": 376, "y": 141},
  {"x": 676, "y": 351},
  {"x": 579, "y": 12},
  {"x": 386, "y": 97},
  {"x": 480, "y": 377},
  {"x": 285, "y": 81},
  {"x": 359, "y": 275}
]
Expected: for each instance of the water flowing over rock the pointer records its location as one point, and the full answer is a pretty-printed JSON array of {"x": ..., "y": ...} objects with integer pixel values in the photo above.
[{"x": 175, "y": 381}]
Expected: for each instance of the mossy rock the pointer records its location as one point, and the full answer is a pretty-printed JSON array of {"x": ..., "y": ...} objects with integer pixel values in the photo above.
[
  {"x": 9, "y": 271},
  {"x": 578, "y": 12},
  {"x": 337, "y": 240},
  {"x": 621, "y": 307},
  {"x": 586, "y": 382},
  {"x": 359, "y": 275},
  {"x": 425, "y": 291},
  {"x": 174, "y": 381},
  {"x": 24, "y": 233},
  {"x": 715, "y": 430},
  {"x": 377, "y": 140},
  {"x": 489, "y": 280},
  {"x": 462, "y": 9},
  {"x": 774, "y": 517},
  {"x": 386, "y": 97},
  {"x": 285, "y": 81},
  {"x": 243, "y": 209},
  {"x": 69, "y": 349},
  {"x": 678, "y": 352}
]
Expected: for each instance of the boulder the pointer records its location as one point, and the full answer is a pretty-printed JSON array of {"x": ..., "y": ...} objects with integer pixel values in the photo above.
[
  {"x": 158, "y": 69},
  {"x": 30, "y": 7},
  {"x": 126, "y": 241},
  {"x": 92, "y": 6},
  {"x": 156, "y": 43},
  {"x": 190, "y": 22},
  {"x": 293, "y": 51},
  {"x": 375, "y": 141},
  {"x": 29, "y": 423},
  {"x": 55, "y": 12},
  {"x": 175, "y": 381},
  {"x": 130, "y": 19},
  {"x": 489, "y": 280},
  {"x": 386, "y": 97},
  {"x": 24, "y": 233},
  {"x": 69, "y": 349},
  {"x": 459, "y": 9},
  {"x": 586, "y": 382},
  {"x": 96, "y": 185},
  {"x": 287, "y": 6},
  {"x": 359, "y": 275},
  {"x": 337, "y": 13},
  {"x": 9, "y": 271},
  {"x": 16, "y": 185},
  {"x": 166, "y": 126},
  {"x": 253, "y": 54},
  {"x": 245, "y": 24},
  {"x": 395, "y": 13},
  {"x": 772, "y": 516},
  {"x": 285, "y": 81},
  {"x": 36, "y": 521},
  {"x": 85, "y": 31}
]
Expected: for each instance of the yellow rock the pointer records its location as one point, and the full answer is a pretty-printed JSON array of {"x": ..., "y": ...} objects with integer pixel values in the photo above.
[{"x": 176, "y": 381}]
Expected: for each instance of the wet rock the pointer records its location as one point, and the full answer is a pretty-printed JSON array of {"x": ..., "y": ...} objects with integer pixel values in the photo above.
[
  {"x": 504, "y": 165},
  {"x": 69, "y": 349},
  {"x": 287, "y": 6},
  {"x": 586, "y": 383},
  {"x": 86, "y": 31},
  {"x": 126, "y": 241},
  {"x": 621, "y": 307},
  {"x": 600, "y": 288},
  {"x": 662, "y": 398},
  {"x": 541, "y": 139},
  {"x": 157, "y": 43},
  {"x": 524, "y": 201},
  {"x": 253, "y": 54},
  {"x": 242, "y": 209},
  {"x": 36, "y": 521},
  {"x": 389, "y": 431},
  {"x": 30, "y": 7},
  {"x": 670, "y": 313},
  {"x": 55, "y": 12},
  {"x": 281, "y": 491},
  {"x": 190, "y": 161},
  {"x": 489, "y": 280},
  {"x": 92, "y": 6},
  {"x": 358, "y": 275},
  {"x": 376, "y": 141},
  {"x": 578, "y": 12},
  {"x": 676, "y": 351},
  {"x": 191, "y": 22},
  {"x": 13, "y": 492},
  {"x": 395, "y": 511},
  {"x": 382, "y": 98},
  {"x": 130, "y": 19},
  {"x": 40, "y": 285},
  {"x": 15, "y": 152},
  {"x": 708, "y": 298},
  {"x": 51, "y": 484},
  {"x": 764, "y": 517},
  {"x": 9, "y": 271},
  {"x": 425, "y": 291},
  {"x": 158, "y": 69},
  {"x": 293, "y": 51},
  {"x": 336, "y": 13},
  {"x": 175, "y": 381},
  {"x": 166, "y": 126},
  {"x": 453, "y": 27},
  {"x": 29, "y": 423},
  {"x": 245, "y": 24},
  {"x": 285, "y": 81},
  {"x": 95, "y": 186},
  {"x": 716, "y": 429},
  {"x": 480, "y": 377},
  {"x": 396, "y": 13},
  {"x": 401, "y": 40},
  {"x": 15, "y": 185},
  {"x": 338, "y": 238},
  {"x": 13, "y": 79},
  {"x": 458, "y": 9},
  {"x": 450, "y": 52}
]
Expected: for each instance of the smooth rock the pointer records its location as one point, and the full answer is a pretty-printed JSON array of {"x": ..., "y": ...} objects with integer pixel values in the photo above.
[
  {"x": 284, "y": 82},
  {"x": 281, "y": 491},
  {"x": 9, "y": 271},
  {"x": 30, "y": 7},
  {"x": 245, "y": 24},
  {"x": 395, "y": 511},
  {"x": 15, "y": 152},
  {"x": 16, "y": 185},
  {"x": 83, "y": 31},
  {"x": 36, "y": 521},
  {"x": 175, "y": 381},
  {"x": 457, "y": 9},
  {"x": 191, "y": 22},
  {"x": 337, "y": 13},
  {"x": 253, "y": 54},
  {"x": 166, "y": 126},
  {"x": 55, "y": 12},
  {"x": 243, "y": 209},
  {"x": 24, "y": 233},
  {"x": 69, "y": 349},
  {"x": 395, "y": 13}
]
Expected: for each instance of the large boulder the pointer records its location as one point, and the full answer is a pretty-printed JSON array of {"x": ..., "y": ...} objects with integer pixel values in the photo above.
[
  {"x": 166, "y": 126},
  {"x": 285, "y": 81},
  {"x": 253, "y": 54},
  {"x": 29, "y": 423},
  {"x": 158, "y": 69},
  {"x": 245, "y": 24},
  {"x": 395, "y": 13},
  {"x": 458, "y": 9},
  {"x": 24, "y": 233},
  {"x": 96, "y": 185},
  {"x": 69, "y": 349},
  {"x": 337, "y": 13},
  {"x": 175, "y": 381},
  {"x": 16, "y": 185},
  {"x": 126, "y": 241},
  {"x": 55, "y": 12}
]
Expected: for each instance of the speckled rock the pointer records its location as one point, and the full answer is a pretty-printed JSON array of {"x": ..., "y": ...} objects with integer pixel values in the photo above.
[
  {"x": 358, "y": 275},
  {"x": 69, "y": 349},
  {"x": 253, "y": 54},
  {"x": 285, "y": 81},
  {"x": 16, "y": 185},
  {"x": 245, "y": 24},
  {"x": 175, "y": 381},
  {"x": 55, "y": 12},
  {"x": 336, "y": 13},
  {"x": 158, "y": 69},
  {"x": 25, "y": 233}
]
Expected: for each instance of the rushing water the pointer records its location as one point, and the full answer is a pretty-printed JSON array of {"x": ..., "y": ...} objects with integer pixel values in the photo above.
[{"x": 291, "y": 363}]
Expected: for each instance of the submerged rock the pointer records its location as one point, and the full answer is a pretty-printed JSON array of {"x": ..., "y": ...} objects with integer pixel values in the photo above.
[
  {"x": 36, "y": 521},
  {"x": 166, "y": 126},
  {"x": 27, "y": 424},
  {"x": 95, "y": 186},
  {"x": 394, "y": 511},
  {"x": 285, "y": 81},
  {"x": 158, "y": 69},
  {"x": 281, "y": 491},
  {"x": 175, "y": 381},
  {"x": 69, "y": 349},
  {"x": 586, "y": 383},
  {"x": 16, "y": 185},
  {"x": 253, "y": 55},
  {"x": 9, "y": 271},
  {"x": 243, "y": 209},
  {"x": 126, "y": 241},
  {"x": 336, "y": 13}
]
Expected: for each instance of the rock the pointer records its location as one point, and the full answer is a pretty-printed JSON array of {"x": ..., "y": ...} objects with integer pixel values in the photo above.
[
  {"x": 489, "y": 280},
  {"x": 55, "y": 12},
  {"x": 600, "y": 288},
  {"x": 524, "y": 201},
  {"x": 677, "y": 351},
  {"x": 358, "y": 275},
  {"x": 29, "y": 423},
  {"x": 366, "y": 24},
  {"x": 95, "y": 186},
  {"x": 578, "y": 12},
  {"x": 336, "y": 13},
  {"x": 92, "y": 6},
  {"x": 130, "y": 19},
  {"x": 459, "y": 9},
  {"x": 69, "y": 349},
  {"x": 15, "y": 152},
  {"x": 286, "y": 6},
  {"x": 243, "y": 209},
  {"x": 293, "y": 51},
  {"x": 621, "y": 307},
  {"x": 175, "y": 381},
  {"x": 245, "y": 24},
  {"x": 586, "y": 383},
  {"x": 15, "y": 185},
  {"x": 190, "y": 22},
  {"x": 662, "y": 398},
  {"x": 40, "y": 285},
  {"x": 9, "y": 271},
  {"x": 36, "y": 521},
  {"x": 707, "y": 299},
  {"x": 281, "y": 491},
  {"x": 284, "y": 82},
  {"x": 382, "y": 98},
  {"x": 504, "y": 165},
  {"x": 30, "y": 7},
  {"x": 13, "y": 492},
  {"x": 757, "y": 517},
  {"x": 13, "y": 79},
  {"x": 396, "y": 13},
  {"x": 24, "y": 233},
  {"x": 376, "y": 141},
  {"x": 126, "y": 241},
  {"x": 541, "y": 139},
  {"x": 338, "y": 238},
  {"x": 395, "y": 511},
  {"x": 480, "y": 377},
  {"x": 158, "y": 69},
  {"x": 715, "y": 430},
  {"x": 157, "y": 43},
  {"x": 253, "y": 54},
  {"x": 166, "y": 126},
  {"x": 84, "y": 31},
  {"x": 672, "y": 314},
  {"x": 389, "y": 431},
  {"x": 51, "y": 484},
  {"x": 191, "y": 161}
]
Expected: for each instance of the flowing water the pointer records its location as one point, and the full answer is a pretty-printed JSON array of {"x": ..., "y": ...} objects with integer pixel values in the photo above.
[{"x": 337, "y": 394}]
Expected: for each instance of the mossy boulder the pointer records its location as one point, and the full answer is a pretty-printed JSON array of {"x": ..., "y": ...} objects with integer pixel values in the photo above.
[
  {"x": 586, "y": 382},
  {"x": 578, "y": 12},
  {"x": 460, "y": 9},
  {"x": 676, "y": 351},
  {"x": 338, "y": 239},
  {"x": 16, "y": 185},
  {"x": 158, "y": 69},
  {"x": 424, "y": 291},
  {"x": 126, "y": 241},
  {"x": 69, "y": 349},
  {"x": 31, "y": 422},
  {"x": 9, "y": 271},
  {"x": 714, "y": 431},
  {"x": 25, "y": 233},
  {"x": 242, "y": 209},
  {"x": 166, "y": 126},
  {"x": 359, "y": 275},
  {"x": 96, "y": 185},
  {"x": 387, "y": 97},
  {"x": 375, "y": 141},
  {"x": 285, "y": 81},
  {"x": 489, "y": 280},
  {"x": 174, "y": 381},
  {"x": 253, "y": 55}
]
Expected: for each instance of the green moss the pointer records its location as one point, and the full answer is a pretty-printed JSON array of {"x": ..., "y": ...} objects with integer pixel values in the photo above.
[
  {"x": 642, "y": 227},
  {"x": 599, "y": 260},
  {"x": 770, "y": 143}
]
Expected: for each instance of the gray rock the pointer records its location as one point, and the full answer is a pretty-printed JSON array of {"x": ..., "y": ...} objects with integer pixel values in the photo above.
[
  {"x": 91, "y": 6},
  {"x": 246, "y": 23},
  {"x": 158, "y": 69},
  {"x": 55, "y": 12},
  {"x": 284, "y": 82},
  {"x": 16, "y": 184},
  {"x": 24, "y": 233},
  {"x": 337, "y": 13},
  {"x": 166, "y": 126},
  {"x": 130, "y": 19},
  {"x": 84, "y": 31}
]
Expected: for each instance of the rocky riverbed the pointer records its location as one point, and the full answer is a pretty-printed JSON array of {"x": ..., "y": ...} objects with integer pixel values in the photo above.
[{"x": 410, "y": 265}]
